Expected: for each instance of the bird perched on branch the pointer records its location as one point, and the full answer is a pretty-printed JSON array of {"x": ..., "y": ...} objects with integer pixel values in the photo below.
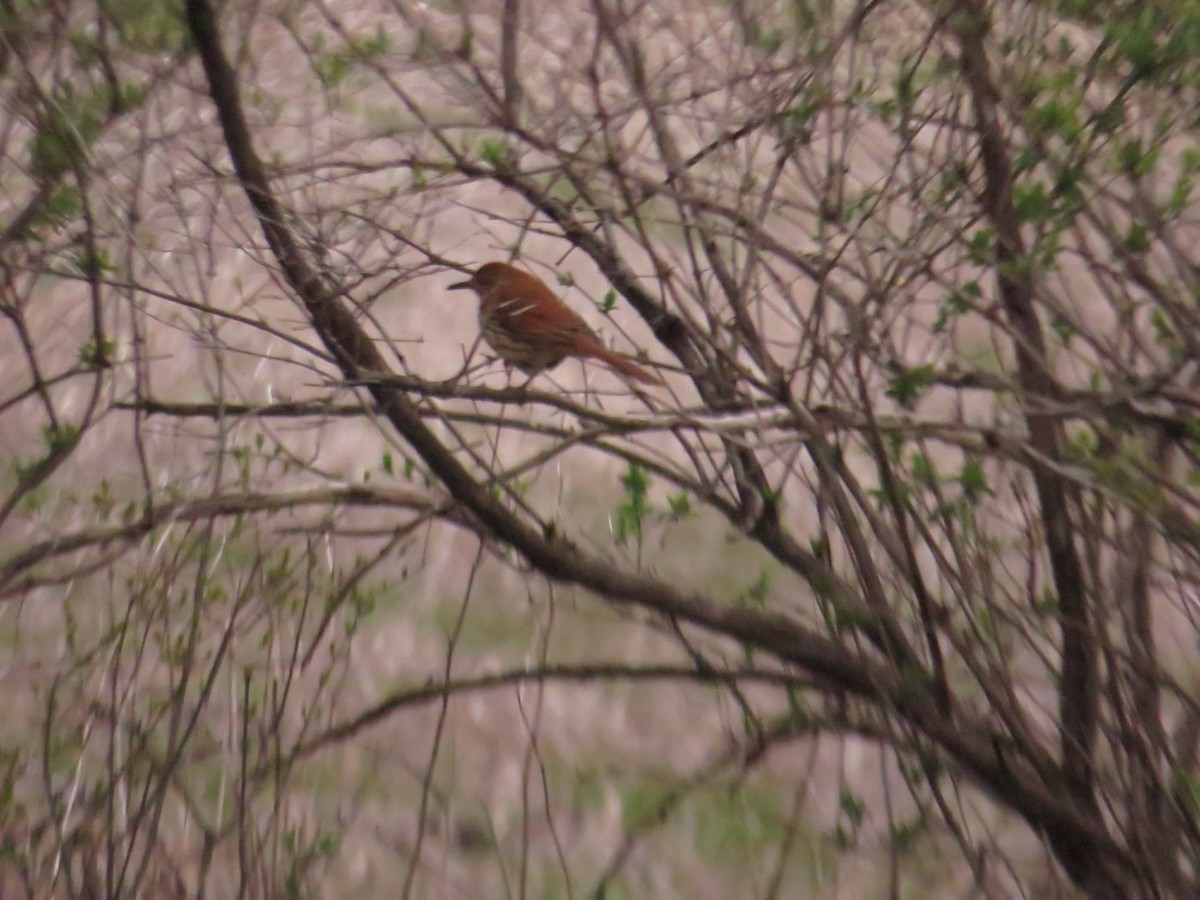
[{"x": 529, "y": 327}]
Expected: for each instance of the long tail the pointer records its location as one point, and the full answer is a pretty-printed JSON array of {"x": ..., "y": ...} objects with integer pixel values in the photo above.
[{"x": 621, "y": 364}]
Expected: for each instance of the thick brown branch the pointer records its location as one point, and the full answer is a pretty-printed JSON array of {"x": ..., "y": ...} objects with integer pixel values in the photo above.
[
  {"x": 1078, "y": 684},
  {"x": 510, "y": 29}
]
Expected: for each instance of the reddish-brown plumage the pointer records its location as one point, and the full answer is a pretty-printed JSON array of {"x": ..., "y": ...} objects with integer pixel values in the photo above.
[{"x": 530, "y": 328}]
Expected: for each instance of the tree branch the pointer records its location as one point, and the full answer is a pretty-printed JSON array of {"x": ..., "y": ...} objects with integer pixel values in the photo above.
[{"x": 1078, "y": 683}]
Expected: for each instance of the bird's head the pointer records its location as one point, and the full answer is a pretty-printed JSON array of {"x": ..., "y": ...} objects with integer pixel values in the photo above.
[{"x": 484, "y": 278}]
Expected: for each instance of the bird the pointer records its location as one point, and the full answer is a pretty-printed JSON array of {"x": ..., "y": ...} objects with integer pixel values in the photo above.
[{"x": 528, "y": 327}]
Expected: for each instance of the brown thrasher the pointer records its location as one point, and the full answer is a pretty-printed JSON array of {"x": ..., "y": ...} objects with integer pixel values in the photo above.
[{"x": 530, "y": 328}]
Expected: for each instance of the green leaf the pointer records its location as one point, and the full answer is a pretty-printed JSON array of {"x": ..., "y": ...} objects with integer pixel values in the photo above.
[
  {"x": 851, "y": 810},
  {"x": 1056, "y": 118},
  {"x": 65, "y": 131},
  {"x": 981, "y": 247},
  {"x": 756, "y": 594},
  {"x": 150, "y": 25},
  {"x": 1187, "y": 788},
  {"x": 92, "y": 265},
  {"x": 680, "y": 506},
  {"x": 843, "y": 617},
  {"x": 494, "y": 151},
  {"x": 797, "y": 119},
  {"x": 1181, "y": 195},
  {"x": 973, "y": 480},
  {"x": 905, "y": 834},
  {"x": 1133, "y": 159},
  {"x": 61, "y": 439},
  {"x": 1138, "y": 44},
  {"x": 1066, "y": 184},
  {"x": 51, "y": 151},
  {"x": 641, "y": 805},
  {"x": 1031, "y": 202},
  {"x": 1138, "y": 238},
  {"x": 1164, "y": 333},
  {"x": 1048, "y": 604},
  {"x": 632, "y": 512},
  {"x": 93, "y": 354},
  {"x": 923, "y": 469},
  {"x": 1063, "y": 328},
  {"x": 636, "y": 481},
  {"x": 64, "y": 202},
  {"x": 910, "y": 385}
]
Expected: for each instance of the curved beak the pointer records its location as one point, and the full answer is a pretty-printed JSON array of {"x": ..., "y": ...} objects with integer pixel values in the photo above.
[{"x": 462, "y": 286}]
